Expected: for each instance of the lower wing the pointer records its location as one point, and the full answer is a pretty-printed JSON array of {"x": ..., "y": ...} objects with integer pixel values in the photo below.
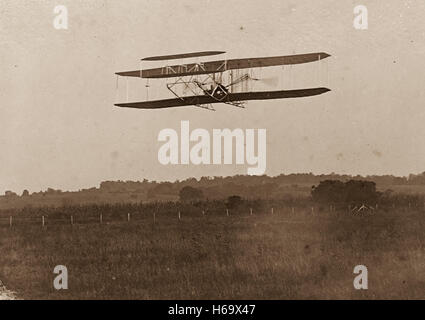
[{"x": 242, "y": 96}]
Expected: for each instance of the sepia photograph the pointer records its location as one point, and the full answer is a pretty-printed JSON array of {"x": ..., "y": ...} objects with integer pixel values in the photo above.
[{"x": 211, "y": 150}]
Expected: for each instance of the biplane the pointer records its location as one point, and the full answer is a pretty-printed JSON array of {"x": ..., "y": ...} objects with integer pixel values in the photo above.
[{"x": 202, "y": 84}]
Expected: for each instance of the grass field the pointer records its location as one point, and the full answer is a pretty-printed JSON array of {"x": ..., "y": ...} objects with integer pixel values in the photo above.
[{"x": 279, "y": 256}]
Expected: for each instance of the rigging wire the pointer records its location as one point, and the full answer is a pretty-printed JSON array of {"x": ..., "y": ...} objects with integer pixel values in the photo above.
[
  {"x": 282, "y": 78},
  {"x": 327, "y": 74},
  {"x": 126, "y": 86},
  {"x": 116, "y": 89},
  {"x": 141, "y": 77},
  {"x": 147, "y": 89},
  {"x": 327, "y": 83},
  {"x": 319, "y": 69},
  {"x": 290, "y": 76}
]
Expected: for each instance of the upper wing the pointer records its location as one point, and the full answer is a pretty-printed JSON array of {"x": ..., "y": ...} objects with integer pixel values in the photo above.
[
  {"x": 242, "y": 96},
  {"x": 183, "y": 55},
  {"x": 224, "y": 65}
]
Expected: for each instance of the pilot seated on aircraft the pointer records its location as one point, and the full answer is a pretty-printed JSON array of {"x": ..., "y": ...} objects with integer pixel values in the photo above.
[{"x": 218, "y": 91}]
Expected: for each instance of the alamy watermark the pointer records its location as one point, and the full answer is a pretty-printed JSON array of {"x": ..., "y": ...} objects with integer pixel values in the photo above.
[
  {"x": 60, "y": 21},
  {"x": 218, "y": 150},
  {"x": 361, "y": 281},
  {"x": 61, "y": 280},
  {"x": 361, "y": 18}
]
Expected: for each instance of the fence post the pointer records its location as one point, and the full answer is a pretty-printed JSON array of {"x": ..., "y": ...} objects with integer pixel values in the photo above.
[
  {"x": 272, "y": 211},
  {"x": 10, "y": 221},
  {"x": 293, "y": 210},
  {"x": 42, "y": 221},
  {"x": 100, "y": 218},
  {"x": 250, "y": 211},
  {"x": 227, "y": 212},
  {"x": 312, "y": 210},
  {"x": 154, "y": 218},
  {"x": 179, "y": 216},
  {"x": 72, "y": 220},
  {"x": 128, "y": 217}
]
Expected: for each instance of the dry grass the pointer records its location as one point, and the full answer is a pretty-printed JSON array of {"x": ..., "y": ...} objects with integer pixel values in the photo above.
[{"x": 280, "y": 256}]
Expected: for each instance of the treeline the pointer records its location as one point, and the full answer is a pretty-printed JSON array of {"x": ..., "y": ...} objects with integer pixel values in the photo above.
[
  {"x": 153, "y": 187},
  {"x": 246, "y": 180},
  {"x": 213, "y": 188},
  {"x": 217, "y": 187}
]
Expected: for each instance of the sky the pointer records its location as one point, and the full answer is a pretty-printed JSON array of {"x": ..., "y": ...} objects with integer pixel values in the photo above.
[{"x": 60, "y": 129}]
